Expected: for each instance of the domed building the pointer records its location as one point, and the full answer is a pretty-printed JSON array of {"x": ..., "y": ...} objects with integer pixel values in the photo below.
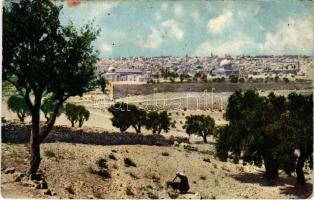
[{"x": 226, "y": 69}]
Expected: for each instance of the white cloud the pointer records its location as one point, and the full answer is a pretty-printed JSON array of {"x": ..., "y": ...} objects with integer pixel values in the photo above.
[
  {"x": 219, "y": 23},
  {"x": 237, "y": 46},
  {"x": 164, "y": 6},
  {"x": 292, "y": 37},
  {"x": 195, "y": 15},
  {"x": 168, "y": 30},
  {"x": 173, "y": 28},
  {"x": 157, "y": 15},
  {"x": 178, "y": 9},
  {"x": 154, "y": 39},
  {"x": 106, "y": 48}
]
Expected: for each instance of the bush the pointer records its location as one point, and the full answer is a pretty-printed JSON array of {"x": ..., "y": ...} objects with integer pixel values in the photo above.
[
  {"x": 129, "y": 192},
  {"x": 129, "y": 163},
  {"x": 165, "y": 154},
  {"x": 102, "y": 163},
  {"x": 112, "y": 157},
  {"x": 76, "y": 113},
  {"x": 50, "y": 154},
  {"x": 206, "y": 160},
  {"x": 17, "y": 104}
]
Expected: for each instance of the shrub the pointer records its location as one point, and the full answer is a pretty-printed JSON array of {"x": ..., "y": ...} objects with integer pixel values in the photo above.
[
  {"x": 179, "y": 139},
  {"x": 16, "y": 104},
  {"x": 203, "y": 177},
  {"x": 102, "y": 163},
  {"x": 129, "y": 163},
  {"x": 165, "y": 154},
  {"x": 206, "y": 160},
  {"x": 50, "y": 154},
  {"x": 112, "y": 157}
]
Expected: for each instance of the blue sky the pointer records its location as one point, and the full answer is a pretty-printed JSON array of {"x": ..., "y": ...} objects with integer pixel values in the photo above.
[{"x": 197, "y": 28}]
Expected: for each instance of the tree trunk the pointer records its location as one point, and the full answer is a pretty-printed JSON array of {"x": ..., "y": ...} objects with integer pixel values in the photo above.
[
  {"x": 205, "y": 138},
  {"x": 299, "y": 169},
  {"x": 271, "y": 168},
  {"x": 21, "y": 117},
  {"x": 35, "y": 142},
  {"x": 72, "y": 123}
]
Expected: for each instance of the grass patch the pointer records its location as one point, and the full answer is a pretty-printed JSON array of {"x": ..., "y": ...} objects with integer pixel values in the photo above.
[
  {"x": 129, "y": 163},
  {"x": 207, "y": 152}
]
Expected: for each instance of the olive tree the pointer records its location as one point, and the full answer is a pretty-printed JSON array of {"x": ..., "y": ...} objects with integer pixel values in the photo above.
[
  {"x": 199, "y": 124},
  {"x": 40, "y": 56},
  {"x": 158, "y": 121},
  {"x": 76, "y": 113},
  {"x": 16, "y": 104},
  {"x": 122, "y": 118},
  {"x": 48, "y": 106}
]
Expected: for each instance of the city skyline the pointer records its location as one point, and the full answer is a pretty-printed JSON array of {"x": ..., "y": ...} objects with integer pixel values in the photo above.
[{"x": 198, "y": 28}]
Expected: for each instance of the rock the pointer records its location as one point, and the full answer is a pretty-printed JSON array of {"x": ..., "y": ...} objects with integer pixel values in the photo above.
[
  {"x": 9, "y": 170},
  {"x": 46, "y": 192},
  {"x": 175, "y": 143},
  {"x": 29, "y": 183},
  {"x": 18, "y": 177},
  {"x": 90, "y": 197}
]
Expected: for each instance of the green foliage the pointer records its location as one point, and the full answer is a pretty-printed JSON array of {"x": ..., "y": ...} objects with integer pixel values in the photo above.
[
  {"x": 234, "y": 79},
  {"x": 16, "y": 104},
  {"x": 43, "y": 57},
  {"x": 219, "y": 80},
  {"x": 76, "y": 113},
  {"x": 268, "y": 129},
  {"x": 48, "y": 106},
  {"x": 199, "y": 124},
  {"x": 126, "y": 115},
  {"x": 158, "y": 122}
]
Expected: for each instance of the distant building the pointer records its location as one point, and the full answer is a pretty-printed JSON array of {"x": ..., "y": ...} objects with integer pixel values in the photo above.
[
  {"x": 226, "y": 70},
  {"x": 122, "y": 74}
]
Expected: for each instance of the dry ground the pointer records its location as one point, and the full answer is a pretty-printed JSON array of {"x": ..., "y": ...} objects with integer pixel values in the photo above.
[{"x": 67, "y": 167}]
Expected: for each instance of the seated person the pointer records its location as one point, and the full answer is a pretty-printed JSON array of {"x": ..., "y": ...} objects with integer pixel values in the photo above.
[{"x": 182, "y": 186}]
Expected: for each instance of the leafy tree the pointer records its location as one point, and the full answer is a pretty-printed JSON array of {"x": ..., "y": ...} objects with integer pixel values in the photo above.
[
  {"x": 138, "y": 117},
  {"x": 122, "y": 117},
  {"x": 48, "y": 107},
  {"x": 16, "y": 103},
  {"x": 76, "y": 113},
  {"x": 72, "y": 113},
  {"x": 268, "y": 129},
  {"x": 83, "y": 115},
  {"x": 199, "y": 124},
  {"x": 158, "y": 121},
  {"x": 42, "y": 57},
  {"x": 300, "y": 121}
]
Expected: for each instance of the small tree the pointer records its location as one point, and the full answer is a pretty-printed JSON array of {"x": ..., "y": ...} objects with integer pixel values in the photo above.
[
  {"x": 76, "y": 113},
  {"x": 16, "y": 103},
  {"x": 83, "y": 115},
  {"x": 122, "y": 118},
  {"x": 48, "y": 107},
  {"x": 40, "y": 56},
  {"x": 72, "y": 113},
  {"x": 199, "y": 124},
  {"x": 158, "y": 121},
  {"x": 138, "y": 117}
]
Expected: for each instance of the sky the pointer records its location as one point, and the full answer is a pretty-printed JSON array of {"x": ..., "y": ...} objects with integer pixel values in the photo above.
[{"x": 196, "y": 27}]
